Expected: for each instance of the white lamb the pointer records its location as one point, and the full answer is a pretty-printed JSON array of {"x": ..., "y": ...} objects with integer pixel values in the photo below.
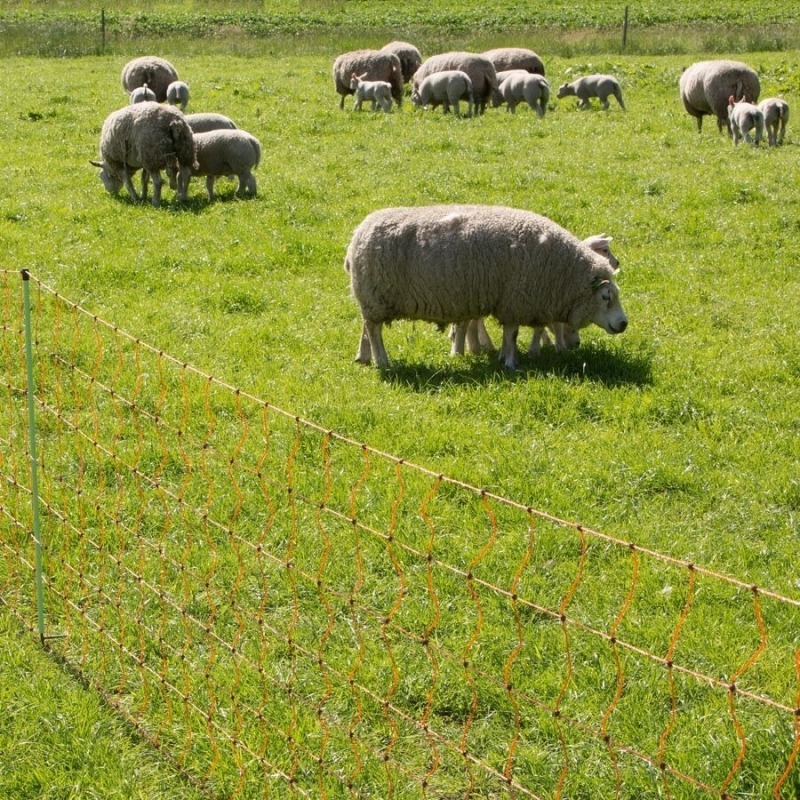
[
  {"x": 178, "y": 94},
  {"x": 523, "y": 88},
  {"x": 601, "y": 86},
  {"x": 378, "y": 92},
  {"x": 204, "y": 121},
  {"x": 744, "y": 117},
  {"x": 461, "y": 262},
  {"x": 776, "y": 115},
  {"x": 142, "y": 94},
  {"x": 226, "y": 153},
  {"x": 446, "y": 88}
]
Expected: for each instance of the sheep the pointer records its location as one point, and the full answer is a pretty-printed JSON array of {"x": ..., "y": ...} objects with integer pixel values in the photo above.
[
  {"x": 523, "y": 86},
  {"x": 142, "y": 93},
  {"x": 178, "y": 94},
  {"x": 373, "y": 65},
  {"x": 445, "y": 88},
  {"x": 706, "y": 86},
  {"x": 481, "y": 72},
  {"x": 226, "y": 153},
  {"x": 379, "y": 92},
  {"x": 601, "y": 86},
  {"x": 156, "y": 72},
  {"x": 744, "y": 117},
  {"x": 410, "y": 58},
  {"x": 478, "y": 339},
  {"x": 776, "y": 115},
  {"x": 505, "y": 58},
  {"x": 147, "y": 136},
  {"x": 458, "y": 262},
  {"x": 204, "y": 121},
  {"x": 497, "y": 98}
]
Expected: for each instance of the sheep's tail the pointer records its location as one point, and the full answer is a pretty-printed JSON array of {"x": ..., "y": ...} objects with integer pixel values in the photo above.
[
  {"x": 738, "y": 90},
  {"x": 257, "y": 150}
]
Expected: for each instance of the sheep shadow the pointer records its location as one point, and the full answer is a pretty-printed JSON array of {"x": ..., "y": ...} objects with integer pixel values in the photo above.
[{"x": 593, "y": 363}]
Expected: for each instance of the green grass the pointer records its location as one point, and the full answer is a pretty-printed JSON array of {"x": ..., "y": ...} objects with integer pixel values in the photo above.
[{"x": 681, "y": 435}]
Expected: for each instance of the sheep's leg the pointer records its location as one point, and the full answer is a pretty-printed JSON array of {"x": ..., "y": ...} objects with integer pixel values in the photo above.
[
  {"x": 508, "y": 351},
  {"x": 375, "y": 337},
  {"x": 604, "y": 102},
  {"x": 210, "y": 187},
  {"x": 558, "y": 331},
  {"x": 458, "y": 331},
  {"x": 126, "y": 180},
  {"x": 145, "y": 181},
  {"x": 156, "y": 176},
  {"x": 364, "y": 353},
  {"x": 619, "y": 100},
  {"x": 478, "y": 339},
  {"x": 538, "y": 339}
]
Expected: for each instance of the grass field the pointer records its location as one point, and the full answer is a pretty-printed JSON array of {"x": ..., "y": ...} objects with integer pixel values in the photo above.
[{"x": 681, "y": 435}]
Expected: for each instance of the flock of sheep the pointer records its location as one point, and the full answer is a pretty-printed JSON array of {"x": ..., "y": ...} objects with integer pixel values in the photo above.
[
  {"x": 446, "y": 264},
  {"x": 455, "y": 264},
  {"x": 152, "y": 134}
]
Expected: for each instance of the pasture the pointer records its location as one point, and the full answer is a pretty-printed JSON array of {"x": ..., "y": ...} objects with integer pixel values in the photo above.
[{"x": 681, "y": 435}]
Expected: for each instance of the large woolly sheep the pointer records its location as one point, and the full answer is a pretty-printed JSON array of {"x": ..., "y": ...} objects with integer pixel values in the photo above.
[
  {"x": 477, "y": 338},
  {"x": 706, "y": 86},
  {"x": 454, "y": 263},
  {"x": 744, "y": 117},
  {"x": 525, "y": 87},
  {"x": 446, "y": 89},
  {"x": 204, "y": 121},
  {"x": 374, "y": 65},
  {"x": 481, "y": 72},
  {"x": 505, "y": 58},
  {"x": 601, "y": 86},
  {"x": 141, "y": 94},
  {"x": 410, "y": 57},
  {"x": 225, "y": 153},
  {"x": 156, "y": 72},
  {"x": 379, "y": 93},
  {"x": 147, "y": 136},
  {"x": 776, "y": 115},
  {"x": 178, "y": 94}
]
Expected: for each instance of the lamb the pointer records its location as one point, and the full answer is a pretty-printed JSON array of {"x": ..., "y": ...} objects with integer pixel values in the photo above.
[
  {"x": 225, "y": 153},
  {"x": 478, "y": 339},
  {"x": 505, "y": 58},
  {"x": 744, "y": 117},
  {"x": 147, "y": 136},
  {"x": 142, "y": 93},
  {"x": 373, "y": 65},
  {"x": 204, "y": 121},
  {"x": 410, "y": 58},
  {"x": 378, "y": 92},
  {"x": 459, "y": 262},
  {"x": 706, "y": 86},
  {"x": 445, "y": 88},
  {"x": 156, "y": 72},
  {"x": 481, "y": 72},
  {"x": 497, "y": 98},
  {"x": 523, "y": 86},
  {"x": 601, "y": 86},
  {"x": 178, "y": 94},
  {"x": 776, "y": 115}
]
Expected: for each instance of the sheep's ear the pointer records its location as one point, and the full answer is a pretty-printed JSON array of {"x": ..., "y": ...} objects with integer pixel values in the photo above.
[
  {"x": 97, "y": 164},
  {"x": 598, "y": 282}
]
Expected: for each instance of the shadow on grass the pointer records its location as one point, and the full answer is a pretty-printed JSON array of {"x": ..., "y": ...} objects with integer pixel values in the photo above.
[{"x": 590, "y": 363}]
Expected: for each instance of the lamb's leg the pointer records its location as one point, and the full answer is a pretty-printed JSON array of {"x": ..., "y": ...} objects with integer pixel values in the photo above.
[
  {"x": 458, "y": 331},
  {"x": 508, "y": 351},
  {"x": 210, "y": 186},
  {"x": 376, "y": 343},
  {"x": 477, "y": 330},
  {"x": 538, "y": 339}
]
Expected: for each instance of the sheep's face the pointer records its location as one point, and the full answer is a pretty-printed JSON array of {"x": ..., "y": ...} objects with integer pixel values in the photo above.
[
  {"x": 111, "y": 182},
  {"x": 564, "y": 90},
  {"x": 607, "y": 311}
]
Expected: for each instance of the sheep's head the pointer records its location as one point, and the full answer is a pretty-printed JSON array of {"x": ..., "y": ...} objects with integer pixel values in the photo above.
[
  {"x": 111, "y": 182},
  {"x": 564, "y": 90},
  {"x": 606, "y": 308}
]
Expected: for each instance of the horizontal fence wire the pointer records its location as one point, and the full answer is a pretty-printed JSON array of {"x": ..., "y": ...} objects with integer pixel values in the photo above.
[{"x": 284, "y": 611}]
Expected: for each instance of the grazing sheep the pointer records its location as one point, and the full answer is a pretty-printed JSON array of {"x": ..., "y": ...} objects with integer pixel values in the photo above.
[
  {"x": 410, "y": 58},
  {"x": 505, "y": 58},
  {"x": 460, "y": 262},
  {"x": 706, "y": 86},
  {"x": 178, "y": 94},
  {"x": 776, "y": 115},
  {"x": 497, "y": 98},
  {"x": 378, "y": 92},
  {"x": 225, "y": 153},
  {"x": 523, "y": 87},
  {"x": 147, "y": 136},
  {"x": 373, "y": 65},
  {"x": 156, "y": 72},
  {"x": 566, "y": 338},
  {"x": 205, "y": 121},
  {"x": 744, "y": 117},
  {"x": 601, "y": 86},
  {"x": 445, "y": 88},
  {"x": 141, "y": 94},
  {"x": 481, "y": 72}
]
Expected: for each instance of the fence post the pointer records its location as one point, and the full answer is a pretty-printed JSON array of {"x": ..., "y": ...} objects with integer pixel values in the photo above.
[
  {"x": 102, "y": 31},
  {"x": 37, "y": 540},
  {"x": 625, "y": 29}
]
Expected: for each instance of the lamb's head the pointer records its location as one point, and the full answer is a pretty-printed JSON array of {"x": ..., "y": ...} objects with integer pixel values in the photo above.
[
  {"x": 355, "y": 80},
  {"x": 601, "y": 244},
  {"x": 565, "y": 90}
]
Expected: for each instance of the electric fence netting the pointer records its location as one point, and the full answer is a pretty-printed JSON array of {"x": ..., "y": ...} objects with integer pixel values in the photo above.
[{"x": 283, "y": 611}]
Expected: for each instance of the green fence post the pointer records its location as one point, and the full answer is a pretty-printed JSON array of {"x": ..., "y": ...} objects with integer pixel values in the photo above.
[{"x": 37, "y": 540}]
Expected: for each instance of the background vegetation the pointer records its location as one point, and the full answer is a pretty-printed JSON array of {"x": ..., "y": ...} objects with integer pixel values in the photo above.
[{"x": 681, "y": 435}]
